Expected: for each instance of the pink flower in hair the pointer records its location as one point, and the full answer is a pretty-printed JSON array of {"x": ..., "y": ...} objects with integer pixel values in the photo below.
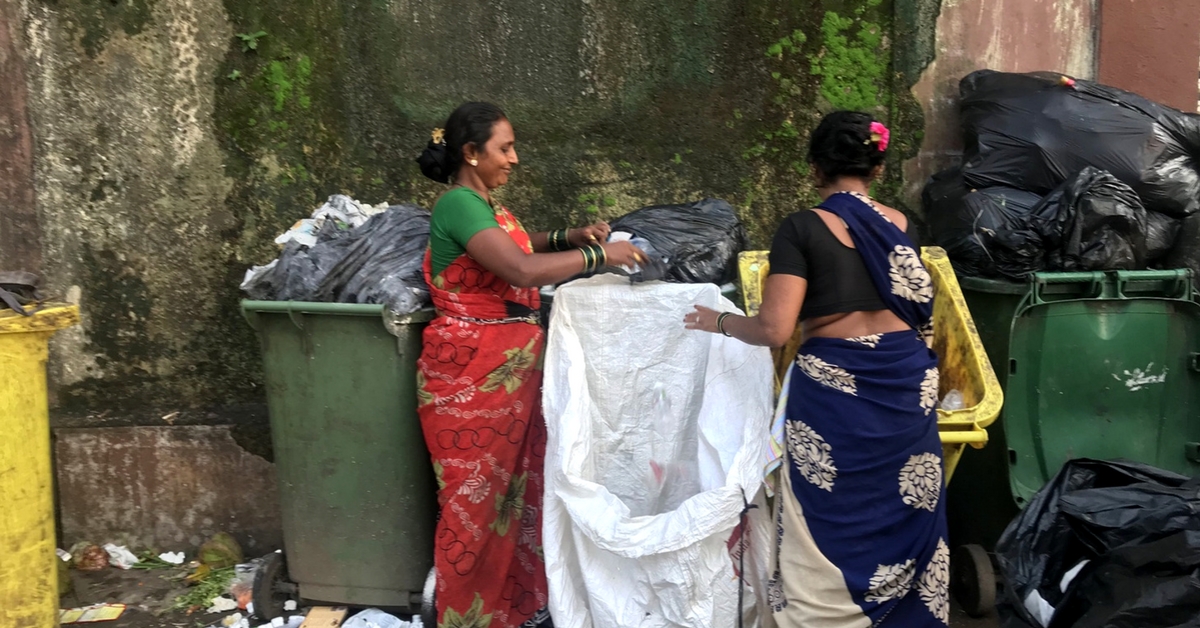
[{"x": 880, "y": 135}]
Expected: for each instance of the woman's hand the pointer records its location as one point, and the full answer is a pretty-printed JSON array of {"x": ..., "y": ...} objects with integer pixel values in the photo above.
[
  {"x": 589, "y": 235},
  {"x": 623, "y": 254},
  {"x": 703, "y": 319}
]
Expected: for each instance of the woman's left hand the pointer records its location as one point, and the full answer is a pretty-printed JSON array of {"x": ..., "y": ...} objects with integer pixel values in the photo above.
[
  {"x": 592, "y": 234},
  {"x": 703, "y": 319}
]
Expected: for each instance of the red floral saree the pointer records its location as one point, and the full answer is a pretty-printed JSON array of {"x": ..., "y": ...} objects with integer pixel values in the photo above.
[{"x": 479, "y": 400}]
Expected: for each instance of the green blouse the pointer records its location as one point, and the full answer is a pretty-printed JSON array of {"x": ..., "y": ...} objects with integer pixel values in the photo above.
[{"x": 458, "y": 215}]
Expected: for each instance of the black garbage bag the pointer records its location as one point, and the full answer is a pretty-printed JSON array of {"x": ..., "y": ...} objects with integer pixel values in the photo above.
[
  {"x": 298, "y": 274},
  {"x": 991, "y": 232},
  {"x": 1162, "y": 231},
  {"x": 377, "y": 262},
  {"x": 1102, "y": 224},
  {"x": 1118, "y": 515},
  {"x": 700, "y": 241},
  {"x": 383, "y": 263},
  {"x": 1186, "y": 252},
  {"x": 1146, "y": 585},
  {"x": 1034, "y": 131}
]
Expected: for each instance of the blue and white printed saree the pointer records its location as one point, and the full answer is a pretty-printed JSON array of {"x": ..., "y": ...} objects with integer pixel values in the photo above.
[{"x": 861, "y": 523}]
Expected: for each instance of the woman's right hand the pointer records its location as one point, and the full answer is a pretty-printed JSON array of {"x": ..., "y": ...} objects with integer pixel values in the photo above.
[{"x": 623, "y": 254}]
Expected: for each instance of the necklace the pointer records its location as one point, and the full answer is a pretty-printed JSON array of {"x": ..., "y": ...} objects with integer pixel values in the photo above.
[{"x": 866, "y": 199}]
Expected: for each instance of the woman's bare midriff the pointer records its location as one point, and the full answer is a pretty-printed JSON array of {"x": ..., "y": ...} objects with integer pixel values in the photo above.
[{"x": 853, "y": 325}]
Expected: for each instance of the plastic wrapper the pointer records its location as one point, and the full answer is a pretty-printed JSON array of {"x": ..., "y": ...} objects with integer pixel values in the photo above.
[
  {"x": 991, "y": 232},
  {"x": 1136, "y": 527},
  {"x": 377, "y": 262},
  {"x": 699, "y": 241},
  {"x": 1035, "y": 131}
]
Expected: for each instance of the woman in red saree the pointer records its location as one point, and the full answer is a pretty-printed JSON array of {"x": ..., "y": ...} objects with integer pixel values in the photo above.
[{"x": 479, "y": 375}]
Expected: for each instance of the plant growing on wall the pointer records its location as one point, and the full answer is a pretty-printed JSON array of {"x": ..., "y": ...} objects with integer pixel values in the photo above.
[{"x": 250, "y": 40}]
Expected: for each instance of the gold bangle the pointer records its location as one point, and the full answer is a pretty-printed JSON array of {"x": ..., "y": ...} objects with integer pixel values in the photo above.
[{"x": 603, "y": 255}]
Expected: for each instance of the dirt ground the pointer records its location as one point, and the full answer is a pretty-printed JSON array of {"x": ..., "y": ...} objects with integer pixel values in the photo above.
[{"x": 150, "y": 595}]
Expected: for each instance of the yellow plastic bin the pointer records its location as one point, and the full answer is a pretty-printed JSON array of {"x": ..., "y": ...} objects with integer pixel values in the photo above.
[
  {"x": 28, "y": 572},
  {"x": 963, "y": 363}
]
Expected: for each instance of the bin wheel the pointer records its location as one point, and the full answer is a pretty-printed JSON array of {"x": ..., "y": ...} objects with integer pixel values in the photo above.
[
  {"x": 973, "y": 580},
  {"x": 428, "y": 599},
  {"x": 271, "y": 588}
]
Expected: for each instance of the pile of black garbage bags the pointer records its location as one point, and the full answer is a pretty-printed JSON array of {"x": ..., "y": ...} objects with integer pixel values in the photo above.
[
  {"x": 1106, "y": 544},
  {"x": 348, "y": 252},
  {"x": 1062, "y": 174}
]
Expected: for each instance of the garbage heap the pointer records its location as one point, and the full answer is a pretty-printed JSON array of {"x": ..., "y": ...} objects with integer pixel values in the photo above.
[
  {"x": 1062, "y": 174},
  {"x": 350, "y": 252}
]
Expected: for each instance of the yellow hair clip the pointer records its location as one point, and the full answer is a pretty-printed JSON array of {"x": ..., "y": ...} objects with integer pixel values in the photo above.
[{"x": 438, "y": 134}]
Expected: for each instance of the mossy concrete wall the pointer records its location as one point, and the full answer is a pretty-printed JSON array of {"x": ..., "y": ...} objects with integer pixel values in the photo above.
[{"x": 174, "y": 139}]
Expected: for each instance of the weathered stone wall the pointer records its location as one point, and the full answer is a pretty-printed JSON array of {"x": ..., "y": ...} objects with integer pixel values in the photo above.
[
  {"x": 1004, "y": 35},
  {"x": 152, "y": 149},
  {"x": 175, "y": 138}
]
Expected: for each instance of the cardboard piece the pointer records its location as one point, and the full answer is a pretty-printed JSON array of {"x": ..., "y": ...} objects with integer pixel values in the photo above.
[{"x": 325, "y": 617}]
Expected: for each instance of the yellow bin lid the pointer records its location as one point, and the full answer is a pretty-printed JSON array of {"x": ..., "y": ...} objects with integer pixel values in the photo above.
[{"x": 52, "y": 317}]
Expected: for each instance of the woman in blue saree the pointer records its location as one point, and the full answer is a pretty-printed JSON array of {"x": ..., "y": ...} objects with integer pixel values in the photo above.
[{"x": 861, "y": 527}]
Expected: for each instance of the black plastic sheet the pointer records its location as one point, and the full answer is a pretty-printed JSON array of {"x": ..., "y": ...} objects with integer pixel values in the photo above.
[
  {"x": 1136, "y": 525},
  {"x": 1035, "y": 131},
  {"x": 700, "y": 241}
]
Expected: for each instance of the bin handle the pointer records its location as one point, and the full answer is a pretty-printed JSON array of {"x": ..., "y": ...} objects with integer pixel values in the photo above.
[
  {"x": 1180, "y": 278},
  {"x": 1041, "y": 280},
  {"x": 297, "y": 309}
]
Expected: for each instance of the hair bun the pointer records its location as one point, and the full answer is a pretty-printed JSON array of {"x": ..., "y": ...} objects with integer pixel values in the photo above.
[{"x": 433, "y": 162}]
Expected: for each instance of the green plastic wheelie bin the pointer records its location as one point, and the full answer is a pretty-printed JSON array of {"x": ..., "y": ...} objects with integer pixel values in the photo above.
[
  {"x": 356, "y": 486},
  {"x": 1093, "y": 365}
]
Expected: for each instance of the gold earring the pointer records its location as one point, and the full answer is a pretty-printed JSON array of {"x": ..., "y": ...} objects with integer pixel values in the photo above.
[{"x": 474, "y": 162}]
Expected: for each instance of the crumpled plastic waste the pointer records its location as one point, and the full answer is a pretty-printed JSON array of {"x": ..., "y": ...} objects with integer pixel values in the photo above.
[
  {"x": 343, "y": 210},
  {"x": 222, "y": 604},
  {"x": 375, "y": 618},
  {"x": 953, "y": 401},
  {"x": 119, "y": 556},
  {"x": 174, "y": 558},
  {"x": 378, "y": 262}
]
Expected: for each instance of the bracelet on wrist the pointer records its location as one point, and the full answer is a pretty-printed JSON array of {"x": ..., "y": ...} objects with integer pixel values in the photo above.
[
  {"x": 559, "y": 240},
  {"x": 721, "y": 324}
]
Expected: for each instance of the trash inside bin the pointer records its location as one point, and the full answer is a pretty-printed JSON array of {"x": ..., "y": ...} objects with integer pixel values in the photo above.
[{"x": 377, "y": 261}]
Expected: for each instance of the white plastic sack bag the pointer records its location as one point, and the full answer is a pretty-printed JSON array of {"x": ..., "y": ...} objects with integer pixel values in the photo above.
[{"x": 655, "y": 435}]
